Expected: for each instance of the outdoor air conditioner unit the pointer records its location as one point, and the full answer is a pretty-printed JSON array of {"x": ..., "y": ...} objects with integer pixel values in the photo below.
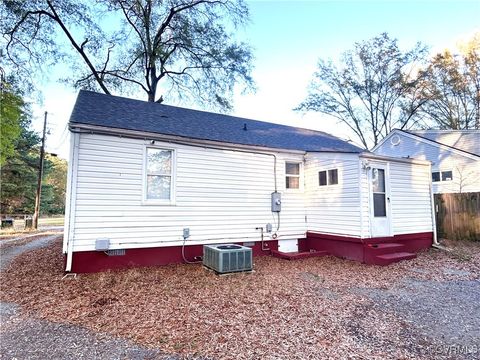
[{"x": 227, "y": 258}]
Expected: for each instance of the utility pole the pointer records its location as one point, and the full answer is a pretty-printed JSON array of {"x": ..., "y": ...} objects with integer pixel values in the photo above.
[{"x": 40, "y": 175}]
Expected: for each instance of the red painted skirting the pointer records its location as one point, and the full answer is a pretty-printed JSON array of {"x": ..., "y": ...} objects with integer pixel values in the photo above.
[
  {"x": 94, "y": 261},
  {"x": 369, "y": 251},
  {"x": 298, "y": 254}
]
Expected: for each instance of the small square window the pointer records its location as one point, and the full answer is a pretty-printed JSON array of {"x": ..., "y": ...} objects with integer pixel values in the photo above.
[
  {"x": 435, "y": 176},
  {"x": 292, "y": 175},
  {"x": 333, "y": 177},
  {"x": 292, "y": 168},
  {"x": 292, "y": 182},
  {"x": 447, "y": 175},
  {"x": 322, "y": 178}
]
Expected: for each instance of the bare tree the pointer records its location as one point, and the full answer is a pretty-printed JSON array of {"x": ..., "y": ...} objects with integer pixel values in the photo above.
[
  {"x": 452, "y": 87},
  {"x": 465, "y": 177},
  {"x": 163, "y": 47},
  {"x": 372, "y": 91}
]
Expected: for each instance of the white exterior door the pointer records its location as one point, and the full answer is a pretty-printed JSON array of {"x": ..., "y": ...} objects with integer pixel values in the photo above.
[{"x": 379, "y": 200}]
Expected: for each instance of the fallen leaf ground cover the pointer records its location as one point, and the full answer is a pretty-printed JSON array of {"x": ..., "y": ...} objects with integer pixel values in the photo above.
[{"x": 308, "y": 309}]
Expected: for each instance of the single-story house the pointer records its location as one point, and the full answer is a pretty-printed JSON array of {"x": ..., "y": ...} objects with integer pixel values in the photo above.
[
  {"x": 455, "y": 155},
  {"x": 150, "y": 184}
]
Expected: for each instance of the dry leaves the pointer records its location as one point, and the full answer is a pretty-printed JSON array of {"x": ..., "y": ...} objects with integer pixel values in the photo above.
[{"x": 286, "y": 309}]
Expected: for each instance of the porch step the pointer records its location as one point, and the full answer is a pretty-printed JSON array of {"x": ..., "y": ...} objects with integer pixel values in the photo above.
[
  {"x": 384, "y": 248},
  {"x": 387, "y": 259},
  {"x": 297, "y": 255}
]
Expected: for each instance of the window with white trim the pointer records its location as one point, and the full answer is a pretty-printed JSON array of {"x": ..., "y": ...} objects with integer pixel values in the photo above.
[
  {"x": 442, "y": 176},
  {"x": 159, "y": 175},
  {"x": 292, "y": 175},
  {"x": 328, "y": 177}
]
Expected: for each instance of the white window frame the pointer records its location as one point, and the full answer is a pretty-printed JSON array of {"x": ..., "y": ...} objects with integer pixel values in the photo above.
[
  {"x": 300, "y": 175},
  {"x": 173, "y": 177},
  {"x": 328, "y": 181},
  {"x": 440, "y": 172}
]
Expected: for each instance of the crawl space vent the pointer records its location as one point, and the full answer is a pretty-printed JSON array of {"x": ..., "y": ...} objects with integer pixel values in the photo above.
[{"x": 117, "y": 252}]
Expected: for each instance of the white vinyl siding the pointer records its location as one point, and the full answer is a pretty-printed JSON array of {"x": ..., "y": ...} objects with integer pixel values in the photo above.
[
  {"x": 465, "y": 170},
  {"x": 409, "y": 207},
  {"x": 221, "y": 195},
  {"x": 333, "y": 209},
  {"x": 410, "y": 198}
]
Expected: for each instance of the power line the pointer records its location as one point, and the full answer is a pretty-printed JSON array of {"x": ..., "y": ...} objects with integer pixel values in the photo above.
[{"x": 63, "y": 138}]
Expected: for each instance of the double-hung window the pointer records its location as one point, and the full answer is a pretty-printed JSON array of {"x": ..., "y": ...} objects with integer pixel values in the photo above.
[
  {"x": 159, "y": 179},
  {"x": 292, "y": 175}
]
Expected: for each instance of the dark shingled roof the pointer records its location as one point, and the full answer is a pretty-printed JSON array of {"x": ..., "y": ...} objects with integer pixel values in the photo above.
[{"x": 121, "y": 113}]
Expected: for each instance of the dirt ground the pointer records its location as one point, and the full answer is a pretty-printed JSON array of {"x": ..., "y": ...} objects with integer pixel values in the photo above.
[{"x": 317, "y": 308}]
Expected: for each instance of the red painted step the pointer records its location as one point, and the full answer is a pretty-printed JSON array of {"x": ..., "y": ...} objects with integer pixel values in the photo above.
[
  {"x": 387, "y": 259},
  {"x": 298, "y": 255},
  {"x": 384, "y": 248}
]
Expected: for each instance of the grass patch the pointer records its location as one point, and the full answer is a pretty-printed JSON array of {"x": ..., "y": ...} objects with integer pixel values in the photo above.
[{"x": 19, "y": 226}]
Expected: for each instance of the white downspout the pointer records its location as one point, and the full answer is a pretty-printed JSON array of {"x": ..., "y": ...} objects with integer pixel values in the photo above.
[
  {"x": 432, "y": 203},
  {"x": 72, "y": 202}
]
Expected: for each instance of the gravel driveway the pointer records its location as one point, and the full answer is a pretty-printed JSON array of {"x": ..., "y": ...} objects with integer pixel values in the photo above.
[
  {"x": 23, "y": 337},
  {"x": 13, "y": 251},
  {"x": 447, "y": 311}
]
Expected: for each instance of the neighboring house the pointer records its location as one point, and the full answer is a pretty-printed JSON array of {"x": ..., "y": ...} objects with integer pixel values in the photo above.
[
  {"x": 151, "y": 184},
  {"x": 455, "y": 155}
]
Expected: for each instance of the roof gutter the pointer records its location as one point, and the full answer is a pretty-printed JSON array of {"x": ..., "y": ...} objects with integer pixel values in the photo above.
[{"x": 367, "y": 155}]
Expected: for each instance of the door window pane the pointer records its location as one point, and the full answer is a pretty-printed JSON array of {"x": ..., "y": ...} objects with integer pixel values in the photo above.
[
  {"x": 379, "y": 205},
  {"x": 378, "y": 180}
]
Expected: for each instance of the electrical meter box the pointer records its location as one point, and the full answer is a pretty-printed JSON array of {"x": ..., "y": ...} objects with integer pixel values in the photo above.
[{"x": 276, "y": 202}]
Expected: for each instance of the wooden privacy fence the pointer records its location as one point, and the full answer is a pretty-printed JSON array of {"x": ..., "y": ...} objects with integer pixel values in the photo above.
[{"x": 458, "y": 216}]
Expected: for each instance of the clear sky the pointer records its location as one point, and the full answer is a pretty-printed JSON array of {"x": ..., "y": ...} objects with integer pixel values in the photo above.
[{"x": 289, "y": 37}]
